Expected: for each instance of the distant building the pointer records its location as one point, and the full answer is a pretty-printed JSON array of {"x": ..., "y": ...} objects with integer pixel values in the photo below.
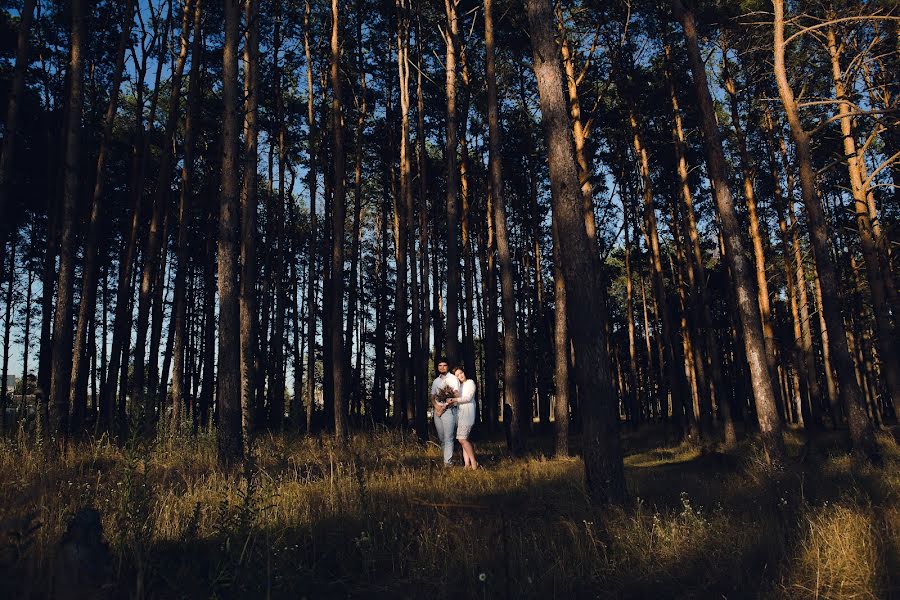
[{"x": 10, "y": 383}]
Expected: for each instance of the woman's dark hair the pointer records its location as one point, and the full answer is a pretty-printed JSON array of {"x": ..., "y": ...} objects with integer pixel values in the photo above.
[{"x": 457, "y": 368}]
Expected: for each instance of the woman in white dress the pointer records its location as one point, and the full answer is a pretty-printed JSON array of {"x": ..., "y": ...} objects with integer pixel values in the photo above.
[{"x": 466, "y": 408}]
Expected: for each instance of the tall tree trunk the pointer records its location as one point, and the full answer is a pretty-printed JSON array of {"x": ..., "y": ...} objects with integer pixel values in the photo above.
[
  {"x": 604, "y": 471},
  {"x": 7, "y": 330},
  {"x": 185, "y": 204},
  {"x": 861, "y": 430},
  {"x": 879, "y": 281},
  {"x": 742, "y": 279},
  {"x": 424, "y": 267},
  {"x": 338, "y": 213},
  {"x": 230, "y": 445},
  {"x": 451, "y": 37},
  {"x": 90, "y": 276},
  {"x": 757, "y": 235},
  {"x": 153, "y": 263},
  {"x": 62, "y": 321},
  {"x": 512, "y": 384},
  {"x": 312, "y": 182},
  {"x": 11, "y": 125}
]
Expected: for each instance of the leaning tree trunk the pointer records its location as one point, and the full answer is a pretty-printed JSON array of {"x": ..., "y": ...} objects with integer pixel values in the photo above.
[
  {"x": 580, "y": 263},
  {"x": 62, "y": 321},
  {"x": 230, "y": 445},
  {"x": 740, "y": 268},
  {"x": 511, "y": 382},
  {"x": 861, "y": 430}
]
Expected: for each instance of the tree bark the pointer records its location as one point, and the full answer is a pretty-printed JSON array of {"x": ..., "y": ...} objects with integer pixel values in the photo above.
[
  {"x": 861, "y": 430},
  {"x": 451, "y": 38},
  {"x": 185, "y": 205},
  {"x": 62, "y": 321},
  {"x": 511, "y": 382},
  {"x": 604, "y": 470},
  {"x": 338, "y": 213},
  {"x": 90, "y": 277},
  {"x": 230, "y": 445}
]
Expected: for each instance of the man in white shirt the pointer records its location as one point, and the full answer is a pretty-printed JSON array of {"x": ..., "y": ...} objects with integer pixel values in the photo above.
[{"x": 444, "y": 415}]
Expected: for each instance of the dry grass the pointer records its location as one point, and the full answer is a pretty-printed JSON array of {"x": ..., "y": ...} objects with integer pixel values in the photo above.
[{"x": 383, "y": 518}]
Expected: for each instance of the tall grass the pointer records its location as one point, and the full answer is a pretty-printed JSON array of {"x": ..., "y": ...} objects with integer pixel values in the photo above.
[{"x": 382, "y": 518}]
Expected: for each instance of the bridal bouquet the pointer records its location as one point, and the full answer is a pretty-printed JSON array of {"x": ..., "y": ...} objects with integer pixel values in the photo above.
[{"x": 444, "y": 394}]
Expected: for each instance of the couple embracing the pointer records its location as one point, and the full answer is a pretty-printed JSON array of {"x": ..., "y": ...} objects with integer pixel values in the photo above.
[{"x": 453, "y": 398}]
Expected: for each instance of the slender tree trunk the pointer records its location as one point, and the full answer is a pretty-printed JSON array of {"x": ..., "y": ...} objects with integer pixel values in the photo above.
[
  {"x": 62, "y": 321},
  {"x": 228, "y": 407},
  {"x": 156, "y": 237},
  {"x": 338, "y": 212},
  {"x": 757, "y": 235},
  {"x": 185, "y": 204},
  {"x": 885, "y": 334},
  {"x": 7, "y": 330},
  {"x": 312, "y": 182},
  {"x": 451, "y": 37},
  {"x": 90, "y": 276},
  {"x": 861, "y": 430},
  {"x": 512, "y": 384},
  {"x": 744, "y": 289},
  {"x": 604, "y": 471},
  {"x": 11, "y": 125}
]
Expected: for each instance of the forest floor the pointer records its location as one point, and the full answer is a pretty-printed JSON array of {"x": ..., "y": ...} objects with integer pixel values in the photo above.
[{"x": 383, "y": 518}]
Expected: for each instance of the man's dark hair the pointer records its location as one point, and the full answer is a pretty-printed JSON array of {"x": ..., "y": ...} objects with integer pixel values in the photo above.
[{"x": 442, "y": 360}]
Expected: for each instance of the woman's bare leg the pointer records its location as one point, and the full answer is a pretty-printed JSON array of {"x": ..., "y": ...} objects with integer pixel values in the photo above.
[{"x": 469, "y": 454}]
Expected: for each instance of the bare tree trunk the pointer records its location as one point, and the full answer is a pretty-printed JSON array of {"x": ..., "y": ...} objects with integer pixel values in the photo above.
[
  {"x": 156, "y": 237},
  {"x": 511, "y": 383},
  {"x": 11, "y": 125},
  {"x": 90, "y": 277},
  {"x": 230, "y": 445},
  {"x": 451, "y": 37},
  {"x": 312, "y": 183},
  {"x": 7, "y": 330},
  {"x": 861, "y": 430},
  {"x": 62, "y": 321},
  {"x": 742, "y": 279},
  {"x": 179, "y": 309},
  {"x": 885, "y": 338},
  {"x": 423, "y": 305},
  {"x": 604, "y": 471},
  {"x": 757, "y": 235},
  {"x": 338, "y": 213}
]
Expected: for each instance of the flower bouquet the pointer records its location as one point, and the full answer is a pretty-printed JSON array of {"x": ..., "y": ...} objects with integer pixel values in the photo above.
[{"x": 443, "y": 395}]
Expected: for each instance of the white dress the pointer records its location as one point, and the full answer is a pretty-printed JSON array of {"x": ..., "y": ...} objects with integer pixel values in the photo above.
[{"x": 467, "y": 410}]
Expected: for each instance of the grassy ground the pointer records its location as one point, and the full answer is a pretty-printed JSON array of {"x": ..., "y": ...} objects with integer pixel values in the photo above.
[{"x": 385, "y": 519}]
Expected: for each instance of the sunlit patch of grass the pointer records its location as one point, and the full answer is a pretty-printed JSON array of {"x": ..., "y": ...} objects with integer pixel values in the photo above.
[
  {"x": 840, "y": 555},
  {"x": 383, "y": 517}
]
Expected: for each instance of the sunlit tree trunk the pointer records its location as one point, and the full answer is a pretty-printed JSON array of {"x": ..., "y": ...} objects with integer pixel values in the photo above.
[
  {"x": 861, "y": 430},
  {"x": 886, "y": 337}
]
